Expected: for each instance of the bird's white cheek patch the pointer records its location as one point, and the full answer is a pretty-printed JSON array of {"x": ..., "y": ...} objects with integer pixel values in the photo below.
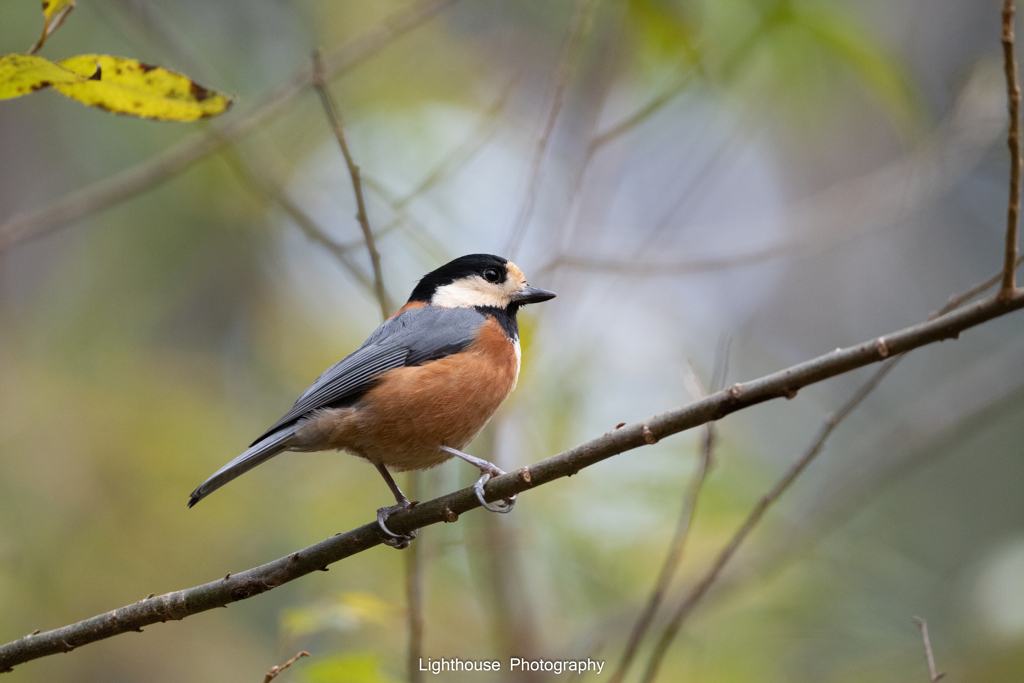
[{"x": 469, "y": 292}]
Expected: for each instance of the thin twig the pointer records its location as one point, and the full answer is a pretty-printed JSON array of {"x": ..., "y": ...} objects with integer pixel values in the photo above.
[
  {"x": 673, "y": 559},
  {"x": 675, "y": 553},
  {"x": 951, "y": 305},
  {"x": 414, "y": 593},
  {"x": 582, "y": 13},
  {"x": 271, "y": 192},
  {"x": 923, "y": 626},
  {"x": 822, "y": 221},
  {"x": 275, "y": 670},
  {"x": 956, "y": 301},
  {"x": 234, "y": 587},
  {"x": 654, "y": 105},
  {"x": 114, "y": 189},
  {"x": 695, "y": 67},
  {"x": 698, "y": 592},
  {"x": 51, "y": 25},
  {"x": 450, "y": 164},
  {"x": 1013, "y": 141},
  {"x": 607, "y": 60},
  {"x": 929, "y": 443},
  {"x": 695, "y": 595},
  {"x": 414, "y": 228},
  {"x": 463, "y": 153},
  {"x": 357, "y": 184}
]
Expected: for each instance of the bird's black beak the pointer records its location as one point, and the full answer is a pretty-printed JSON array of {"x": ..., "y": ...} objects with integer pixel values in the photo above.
[{"x": 532, "y": 295}]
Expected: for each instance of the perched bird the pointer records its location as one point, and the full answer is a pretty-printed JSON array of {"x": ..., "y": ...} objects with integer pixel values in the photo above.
[{"x": 419, "y": 389}]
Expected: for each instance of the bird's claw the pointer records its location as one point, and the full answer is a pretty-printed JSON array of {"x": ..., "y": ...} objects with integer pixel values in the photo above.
[
  {"x": 506, "y": 504},
  {"x": 487, "y": 470},
  {"x": 397, "y": 541}
]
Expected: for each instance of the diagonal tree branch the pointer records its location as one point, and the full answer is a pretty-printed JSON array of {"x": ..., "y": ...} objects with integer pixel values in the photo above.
[
  {"x": 269, "y": 191},
  {"x": 150, "y": 173},
  {"x": 869, "y": 202},
  {"x": 1013, "y": 141},
  {"x": 232, "y": 588},
  {"x": 694, "y": 68},
  {"x": 922, "y": 626},
  {"x": 769, "y": 499},
  {"x": 698, "y": 592},
  {"x": 320, "y": 84},
  {"x": 674, "y": 557},
  {"x": 275, "y": 671},
  {"x": 957, "y": 301},
  {"x": 453, "y": 162},
  {"x": 582, "y": 14}
]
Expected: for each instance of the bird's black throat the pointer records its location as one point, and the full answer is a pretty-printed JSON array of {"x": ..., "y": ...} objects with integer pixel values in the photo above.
[{"x": 506, "y": 317}]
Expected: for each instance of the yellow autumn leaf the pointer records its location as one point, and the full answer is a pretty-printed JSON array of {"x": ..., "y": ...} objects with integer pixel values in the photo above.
[
  {"x": 127, "y": 86},
  {"x": 22, "y": 74}
]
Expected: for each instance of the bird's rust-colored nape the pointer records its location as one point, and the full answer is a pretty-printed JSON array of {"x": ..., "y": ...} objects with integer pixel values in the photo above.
[{"x": 408, "y": 306}]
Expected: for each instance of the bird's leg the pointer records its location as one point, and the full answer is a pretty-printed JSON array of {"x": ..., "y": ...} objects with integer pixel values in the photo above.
[
  {"x": 487, "y": 470},
  {"x": 394, "y": 540}
]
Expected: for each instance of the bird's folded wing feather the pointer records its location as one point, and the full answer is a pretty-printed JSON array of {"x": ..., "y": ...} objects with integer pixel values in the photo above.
[{"x": 413, "y": 337}]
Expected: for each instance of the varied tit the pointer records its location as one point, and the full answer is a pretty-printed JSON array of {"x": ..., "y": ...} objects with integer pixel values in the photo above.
[{"x": 419, "y": 389}]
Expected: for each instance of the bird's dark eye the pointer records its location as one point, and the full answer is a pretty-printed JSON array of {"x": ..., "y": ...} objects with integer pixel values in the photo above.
[{"x": 491, "y": 275}]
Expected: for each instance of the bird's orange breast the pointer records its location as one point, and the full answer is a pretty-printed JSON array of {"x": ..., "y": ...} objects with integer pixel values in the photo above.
[{"x": 411, "y": 411}]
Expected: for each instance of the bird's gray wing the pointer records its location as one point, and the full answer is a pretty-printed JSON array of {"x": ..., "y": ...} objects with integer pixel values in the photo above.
[{"x": 413, "y": 337}]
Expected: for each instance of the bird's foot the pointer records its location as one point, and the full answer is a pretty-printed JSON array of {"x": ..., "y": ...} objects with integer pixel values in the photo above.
[
  {"x": 397, "y": 541},
  {"x": 506, "y": 504},
  {"x": 487, "y": 471}
]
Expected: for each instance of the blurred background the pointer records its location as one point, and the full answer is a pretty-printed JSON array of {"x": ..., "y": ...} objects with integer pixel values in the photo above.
[{"x": 777, "y": 178}]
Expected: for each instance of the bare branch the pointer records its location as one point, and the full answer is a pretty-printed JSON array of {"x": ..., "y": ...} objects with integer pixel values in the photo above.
[
  {"x": 1013, "y": 141},
  {"x": 606, "y": 63},
  {"x": 648, "y": 269},
  {"x": 414, "y": 228},
  {"x": 701, "y": 588},
  {"x": 357, "y": 184},
  {"x": 675, "y": 552},
  {"x": 853, "y": 207},
  {"x": 582, "y": 14},
  {"x": 784, "y": 383},
  {"x": 275, "y": 670},
  {"x": 114, "y": 189},
  {"x": 450, "y": 164},
  {"x": 672, "y": 560},
  {"x": 956, "y": 301},
  {"x": 691, "y": 600},
  {"x": 643, "y": 113},
  {"x": 459, "y": 156},
  {"x": 676, "y": 88},
  {"x": 923, "y": 626},
  {"x": 271, "y": 192},
  {"x": 792, "y": 545}
]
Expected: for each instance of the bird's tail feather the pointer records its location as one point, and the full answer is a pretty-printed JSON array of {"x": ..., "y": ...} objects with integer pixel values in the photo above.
[{"x": 259, "y": 452}]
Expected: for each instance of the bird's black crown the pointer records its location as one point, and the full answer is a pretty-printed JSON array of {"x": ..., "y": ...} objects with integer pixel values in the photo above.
[{"x": 464, "y": 266}]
